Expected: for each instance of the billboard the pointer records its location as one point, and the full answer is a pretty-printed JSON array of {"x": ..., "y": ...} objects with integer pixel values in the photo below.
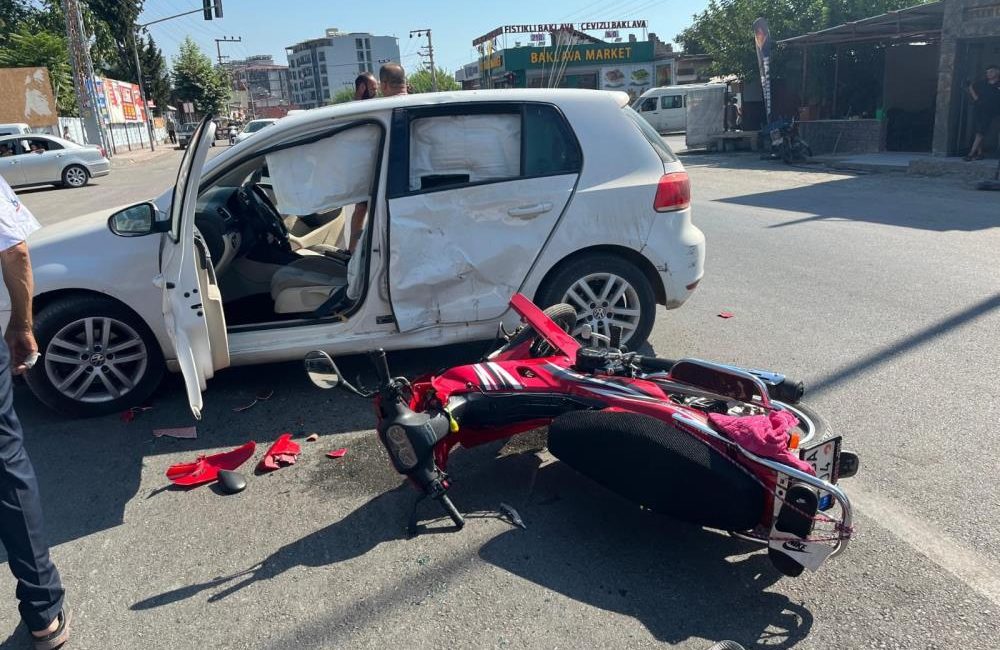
[
  {"x": 119, "y": 100},
  {"x": 26, "y": 97}
]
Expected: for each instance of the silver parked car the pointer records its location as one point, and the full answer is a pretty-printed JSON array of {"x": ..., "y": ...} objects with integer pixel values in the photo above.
[{"x": 38, "y": 159}]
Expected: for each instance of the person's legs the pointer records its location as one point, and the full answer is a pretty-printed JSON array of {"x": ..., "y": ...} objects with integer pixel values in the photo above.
[{"x": 39, "y": 589}]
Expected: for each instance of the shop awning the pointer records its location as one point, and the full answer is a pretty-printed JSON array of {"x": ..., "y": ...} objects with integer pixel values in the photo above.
[{"x": 919, "y": 22}]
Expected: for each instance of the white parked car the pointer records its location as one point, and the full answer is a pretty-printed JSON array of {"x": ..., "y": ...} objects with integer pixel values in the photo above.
[
  {"x": 39, "y": 159},
  {"x": 466, "y": 198},
  {"x": 253, "y": 126}
]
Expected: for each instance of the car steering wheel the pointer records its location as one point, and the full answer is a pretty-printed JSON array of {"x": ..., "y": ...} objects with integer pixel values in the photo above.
[{"x": 267, "y": 218}]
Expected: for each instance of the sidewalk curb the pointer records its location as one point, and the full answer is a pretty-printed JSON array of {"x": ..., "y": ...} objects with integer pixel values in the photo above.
[{"x": 126, "y": 158}]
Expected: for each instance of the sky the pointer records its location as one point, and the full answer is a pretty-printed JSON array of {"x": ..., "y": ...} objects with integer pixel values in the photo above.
[{"x": 268, "y": 26}]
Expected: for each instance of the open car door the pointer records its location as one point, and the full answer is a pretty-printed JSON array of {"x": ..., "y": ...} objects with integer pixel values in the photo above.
[{"x": 192, "y": 303}]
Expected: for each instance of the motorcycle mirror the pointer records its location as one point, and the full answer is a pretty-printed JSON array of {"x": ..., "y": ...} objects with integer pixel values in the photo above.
[{"x": 321, "y": 369}]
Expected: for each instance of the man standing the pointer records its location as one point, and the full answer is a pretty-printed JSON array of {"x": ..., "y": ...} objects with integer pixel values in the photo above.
[
  {"x": 39, "y": 589},
  {"x": 172, "y": 130},
  {"x": 392, "y": 78},
  {"x": 985, "y": 95}
]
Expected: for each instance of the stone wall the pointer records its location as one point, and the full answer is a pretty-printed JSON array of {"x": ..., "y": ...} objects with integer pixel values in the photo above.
[
  {"x": 827, "y": 137},
  {"x": 963, "y": 19}
]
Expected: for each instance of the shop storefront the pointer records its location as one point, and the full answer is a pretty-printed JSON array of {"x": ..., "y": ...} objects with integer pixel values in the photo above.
[{"x": 628, "y": 67}]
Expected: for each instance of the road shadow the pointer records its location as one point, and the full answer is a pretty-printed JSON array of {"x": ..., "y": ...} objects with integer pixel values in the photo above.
[
  {"x": 581, "y": 542},
  {"x": 905, "y": 345},
  {"x": 89, "y": 469},
  {"x": 906, "y": 203}
]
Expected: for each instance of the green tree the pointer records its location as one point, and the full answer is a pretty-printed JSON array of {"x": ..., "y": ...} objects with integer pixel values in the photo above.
[
  {"x": 112, "y": 24},
  {"x": 12, "y": 14},
  {"x": 27, "y": 49},
  {"x": 723, "y": 29},
  {"x": 420, "y": 81},
  {"x": 342, "y": 96},
  {"x": 155, "y": 73},
  {"x": 197, "y": 81}
]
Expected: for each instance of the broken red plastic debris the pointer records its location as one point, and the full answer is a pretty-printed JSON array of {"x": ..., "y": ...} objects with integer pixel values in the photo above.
[
  {"x": 725, "y": 314},
  {"x": 337, "y": 453},
  {"x": 283, "y": 452},
  {"x": 134, "y": 412},
  {"x": 206, "y": 468}
]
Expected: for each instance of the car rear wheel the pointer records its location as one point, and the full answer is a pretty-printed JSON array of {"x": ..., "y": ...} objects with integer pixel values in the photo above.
[
  {"x": 606, "y": 291},
  {"x": 75, "y": 176},
  {"x": 98, "y": 357}
]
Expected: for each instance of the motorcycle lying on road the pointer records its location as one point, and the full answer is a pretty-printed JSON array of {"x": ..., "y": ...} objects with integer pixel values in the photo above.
[{"x": 689, "y": 439}]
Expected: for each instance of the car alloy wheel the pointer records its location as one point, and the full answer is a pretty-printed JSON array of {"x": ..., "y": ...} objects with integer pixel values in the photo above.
[
  {"x": 603, "y": 301},
  {"x": 76, "y": 176},
  {"x": 96, "y": 359}
]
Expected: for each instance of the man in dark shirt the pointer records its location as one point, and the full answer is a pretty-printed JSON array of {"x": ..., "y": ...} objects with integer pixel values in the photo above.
[{"x": 985, "y": 95}]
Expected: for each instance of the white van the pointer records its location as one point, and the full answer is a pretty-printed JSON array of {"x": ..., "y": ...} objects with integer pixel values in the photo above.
[
  {"x": 665, "y": 108},
  {"x": 14, "y": 129}
]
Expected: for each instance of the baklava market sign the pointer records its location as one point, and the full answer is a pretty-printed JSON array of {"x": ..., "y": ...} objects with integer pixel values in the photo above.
[
  {"x": 555, "y": 27},
  {"x": 592, "y": 54}
]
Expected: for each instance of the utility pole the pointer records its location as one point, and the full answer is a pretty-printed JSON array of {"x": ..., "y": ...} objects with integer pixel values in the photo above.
[
  {"x": 429, "y": 54},
  {"x": 218, "y": 52},
  {"x": 83, "y": 75},
  {"x": 208, "y": 7},
  {"x": 225, "y": 39},
  {"x": 147, "y": 118}
]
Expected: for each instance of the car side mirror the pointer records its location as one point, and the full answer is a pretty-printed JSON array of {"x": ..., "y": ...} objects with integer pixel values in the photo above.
[
  {"x": 321, "y": 369},
  {"x": 136, "y": 221}
]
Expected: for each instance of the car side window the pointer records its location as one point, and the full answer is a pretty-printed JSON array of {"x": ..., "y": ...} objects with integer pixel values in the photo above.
[
  {"x": 648, "y": 104},
  {"x": 451, "y": 150},
  {"x": 672, "y": 101},
  {"x": 550, "y": 146}
]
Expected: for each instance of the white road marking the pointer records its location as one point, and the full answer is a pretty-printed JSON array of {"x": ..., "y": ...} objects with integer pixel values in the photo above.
[{"x": 977, "y": 572}]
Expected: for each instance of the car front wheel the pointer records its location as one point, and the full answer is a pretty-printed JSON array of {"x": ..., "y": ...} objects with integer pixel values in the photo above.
[
  {"x": 97, "y": 357},
  {"x": 607, "y": 291}
]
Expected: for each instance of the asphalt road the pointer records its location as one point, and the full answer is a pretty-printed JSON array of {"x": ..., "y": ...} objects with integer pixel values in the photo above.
[
  {"x": 135, "y": 176},
  {"x": 882, "y": 292}
]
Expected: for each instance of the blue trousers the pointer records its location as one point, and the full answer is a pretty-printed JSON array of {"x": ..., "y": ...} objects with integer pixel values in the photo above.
[{"x": 39, "y": 589}]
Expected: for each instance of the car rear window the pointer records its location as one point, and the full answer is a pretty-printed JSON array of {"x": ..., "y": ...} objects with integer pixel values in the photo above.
[{"x": 652, "y": 137}]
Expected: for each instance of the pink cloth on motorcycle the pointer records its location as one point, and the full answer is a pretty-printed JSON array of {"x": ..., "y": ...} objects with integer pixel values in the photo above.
[{"x": 763, "y": 435}]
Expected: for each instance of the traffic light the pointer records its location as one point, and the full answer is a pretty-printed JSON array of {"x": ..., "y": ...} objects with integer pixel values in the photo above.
[{"x": 207, "y": 7}]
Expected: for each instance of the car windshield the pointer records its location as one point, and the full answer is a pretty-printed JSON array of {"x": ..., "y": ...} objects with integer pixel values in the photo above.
[
  {"x": 651, "y": 136},
  {"x": 255, "y": 126}
]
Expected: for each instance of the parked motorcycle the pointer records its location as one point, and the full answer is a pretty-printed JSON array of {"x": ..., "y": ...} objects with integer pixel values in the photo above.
[
  {"x": 658, "y": 432},
  {"x": 787, "y": 144}
]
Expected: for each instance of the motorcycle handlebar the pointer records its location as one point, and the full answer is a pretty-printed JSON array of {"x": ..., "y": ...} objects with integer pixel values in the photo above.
[
  {"x": 788, "y": 391},
  {"x": 381, "y": 366},
  {"x": 655, "y": 364}
]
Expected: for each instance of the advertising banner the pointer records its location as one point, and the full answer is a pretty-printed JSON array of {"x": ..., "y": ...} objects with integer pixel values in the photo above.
[
  {"x": 634, "y": 79},
  {"x": 762, "y": 39}
]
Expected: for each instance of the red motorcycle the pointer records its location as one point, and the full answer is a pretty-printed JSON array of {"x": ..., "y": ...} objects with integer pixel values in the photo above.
[{"x": 714, "y": 445}]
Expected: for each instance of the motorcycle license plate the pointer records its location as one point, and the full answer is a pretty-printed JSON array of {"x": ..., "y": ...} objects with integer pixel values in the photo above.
[{"x": 825, "y": 460}]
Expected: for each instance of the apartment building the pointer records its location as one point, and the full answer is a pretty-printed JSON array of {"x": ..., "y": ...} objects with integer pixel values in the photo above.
[{"x": 320, "y": 67}]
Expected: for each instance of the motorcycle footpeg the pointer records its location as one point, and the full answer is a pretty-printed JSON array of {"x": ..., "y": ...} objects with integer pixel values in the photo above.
[{"x": 795, "y": 518}]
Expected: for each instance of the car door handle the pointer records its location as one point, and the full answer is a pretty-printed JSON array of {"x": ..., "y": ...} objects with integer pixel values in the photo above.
[{"x": 530, "y": 211}]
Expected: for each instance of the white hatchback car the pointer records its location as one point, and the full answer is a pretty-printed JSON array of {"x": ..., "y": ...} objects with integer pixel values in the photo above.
[{"x": 457, "y": 201}]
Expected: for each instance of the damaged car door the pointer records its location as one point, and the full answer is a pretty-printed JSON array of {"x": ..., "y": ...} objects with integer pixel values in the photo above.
[{"x": 475, "y": 190}]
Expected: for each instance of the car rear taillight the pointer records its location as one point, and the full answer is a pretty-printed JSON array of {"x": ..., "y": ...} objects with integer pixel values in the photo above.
[{"x": 673, "y": 192}]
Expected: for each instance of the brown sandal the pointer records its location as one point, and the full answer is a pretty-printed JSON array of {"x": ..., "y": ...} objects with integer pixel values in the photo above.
[{"x": 58, "y": 637}]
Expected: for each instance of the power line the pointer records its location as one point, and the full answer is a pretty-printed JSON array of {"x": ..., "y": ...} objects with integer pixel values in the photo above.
[{"x": 430, "y": 54}]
